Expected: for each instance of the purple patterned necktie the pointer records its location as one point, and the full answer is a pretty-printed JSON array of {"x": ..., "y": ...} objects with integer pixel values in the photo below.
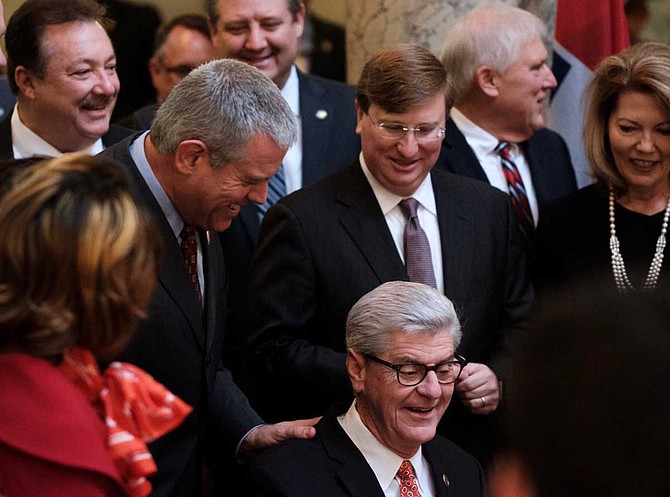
[
  {"x": 189, "y": 249},
  {"x": 418, "y": 259},
  {"x": 516, "y": 189}
]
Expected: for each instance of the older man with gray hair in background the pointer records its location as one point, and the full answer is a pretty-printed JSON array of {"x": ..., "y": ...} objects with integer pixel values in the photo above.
[
  {"x": 401, "y": 360},
  {"x": 216, "y": 140}
]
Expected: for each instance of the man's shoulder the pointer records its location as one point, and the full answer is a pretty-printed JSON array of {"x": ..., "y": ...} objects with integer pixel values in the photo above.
[
  {"x": 332, "y": 88},
  {"x": 324, "y": 190},
  {"x": 115, "y": 134},
  {"x": 546, "y": 136},
  {"x": 464, "y": 186}
]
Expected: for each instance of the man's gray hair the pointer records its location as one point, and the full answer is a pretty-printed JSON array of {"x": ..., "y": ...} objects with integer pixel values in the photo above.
[
  {"x": 399, "y": 306},
  {"x": 223, "y": 103},
  {"x": 489, "y": 35}
]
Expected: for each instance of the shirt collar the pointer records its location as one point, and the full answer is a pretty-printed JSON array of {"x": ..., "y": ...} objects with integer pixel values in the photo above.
[
  {"x": 387, "y": 200},
  {"x": 481, "y": 141},
  {"x": 383, "y": 462},
  {"x": 139, "y": 156},
  {"x": 291, "y": 92},
  {"x": 26, "y": 143}
]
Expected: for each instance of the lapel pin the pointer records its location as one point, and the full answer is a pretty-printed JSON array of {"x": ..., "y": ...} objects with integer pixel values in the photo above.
[
  {"x": 445, "y": 479},
  {"x": 321, "y": 114}
]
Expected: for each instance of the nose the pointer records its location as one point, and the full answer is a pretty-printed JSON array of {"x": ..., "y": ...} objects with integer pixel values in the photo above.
[
  {"x": 430, "y": 387},
  {"x": 646, "y": 143},
  {"x": 258, "y": 193},
  {"x": 407, "y": 145},
  {"x": 108, "y": 83},
  {"x": 256, "y": 38},
  {"x": 550, "y": 79}
]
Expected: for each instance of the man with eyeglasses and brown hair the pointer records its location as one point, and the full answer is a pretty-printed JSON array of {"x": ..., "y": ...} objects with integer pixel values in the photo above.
[
  {"x": 324, "y": 247},
  {"x": 401, "y": 360}
]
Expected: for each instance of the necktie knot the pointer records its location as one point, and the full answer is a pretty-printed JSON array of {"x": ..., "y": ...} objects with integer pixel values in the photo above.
[
  {"x": 409, "y": 207},
  {"x": 409, "y": 485},
  {"x": 503, "y": 149}
]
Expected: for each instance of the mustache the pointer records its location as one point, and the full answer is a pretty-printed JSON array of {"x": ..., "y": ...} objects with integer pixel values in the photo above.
[{"x": 98, "y": 101}]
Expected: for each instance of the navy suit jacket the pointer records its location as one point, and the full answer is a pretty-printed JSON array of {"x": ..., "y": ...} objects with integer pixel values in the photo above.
[
  {"x": 180, "y": 346},
  {"x": 325, "y": 246},
  {"x": 113, "y": 135},
  {"x": 546, "y": 154},
  {"x": 329, "y": 143},
  {"x": 330, "y": 465}
]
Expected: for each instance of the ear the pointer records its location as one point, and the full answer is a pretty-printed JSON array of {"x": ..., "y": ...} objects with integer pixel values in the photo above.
[
  {"x": 359, "y": 115},
  {"x": 154, "y": 67},
  {"x": 190, "y": 155},
  {"x": 356, "y": 369},
  {"x": 487, "y": 80},
  {"x": 25, "y": 80},
  {"x": 300, "y": 20}
]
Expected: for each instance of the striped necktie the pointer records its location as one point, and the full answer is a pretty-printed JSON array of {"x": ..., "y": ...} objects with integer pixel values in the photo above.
[
  {"x": 276, "y": 191},
  {"x": 516, "y": 189}
]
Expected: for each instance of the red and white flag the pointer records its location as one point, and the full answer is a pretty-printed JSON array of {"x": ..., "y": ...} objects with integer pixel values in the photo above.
[{"x": 586, "y": 33}]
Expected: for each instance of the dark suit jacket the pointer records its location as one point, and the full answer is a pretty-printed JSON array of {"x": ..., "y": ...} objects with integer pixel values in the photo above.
[
  {"x": 141, "y": 119},
  {"x": 331, "y": 465},
  {"x": 324, "y": 247},
  {"x": 113, "y": 135},
  {"x": 328, "y": 144},
  {"x": 546, "y": 154},
  {"x": 181, "y": 347}
]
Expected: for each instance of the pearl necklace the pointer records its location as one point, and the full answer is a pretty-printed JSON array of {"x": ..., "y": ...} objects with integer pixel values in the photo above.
[{"x": 621, "y": 280}]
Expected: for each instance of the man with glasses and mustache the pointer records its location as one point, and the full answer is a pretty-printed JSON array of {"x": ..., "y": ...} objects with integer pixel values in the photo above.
[
  {"x": 388, "y": 216},
  {"x": 401, "y": 359},
  {"x": 62, "y": 69}
]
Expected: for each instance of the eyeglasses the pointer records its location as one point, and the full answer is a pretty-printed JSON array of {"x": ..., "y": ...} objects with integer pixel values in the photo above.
[
  {"x": 412, "y": 374},
  {"x": 423, "y": 133}
]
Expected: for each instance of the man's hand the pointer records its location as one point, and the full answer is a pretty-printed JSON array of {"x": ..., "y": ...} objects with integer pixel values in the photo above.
[
  {"x": 478, "y": 389},
  {"x": 264, "y": 436}
]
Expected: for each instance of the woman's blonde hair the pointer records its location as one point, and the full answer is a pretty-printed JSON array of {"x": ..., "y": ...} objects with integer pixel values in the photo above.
[{"x": 78, "y": 258}]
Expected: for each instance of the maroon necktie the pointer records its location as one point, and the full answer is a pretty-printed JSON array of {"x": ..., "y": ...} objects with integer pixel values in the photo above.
[
  {"x": 516, "y": 190},
  {"x": 418, "y": 260},
  {"x": 189, "y": 249},
  {"x": 409, "y": 486}
]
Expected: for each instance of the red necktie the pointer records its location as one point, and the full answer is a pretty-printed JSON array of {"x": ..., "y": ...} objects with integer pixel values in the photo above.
[
  {"x": 409, "y": 486},
  {"x": 418, "y": 259},
  {"x": 189, "y": 249},
  {"x": 516, "y": 190}
]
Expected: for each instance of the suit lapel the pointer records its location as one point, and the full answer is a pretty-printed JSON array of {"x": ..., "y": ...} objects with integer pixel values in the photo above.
[
  {"x": 538, "y": 171},
  {"x": 364, "y": 222},
  {"x": 209, "y": 312},
  {"x": 439, "y": 469},
  {"x": 457, "y": 155},
  {"x": 316, "y": 116},
  {"x": 456, "y": 235},
  {"x": 171, "y": 277}
]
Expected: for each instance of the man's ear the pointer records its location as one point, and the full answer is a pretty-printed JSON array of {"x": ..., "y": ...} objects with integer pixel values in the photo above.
[
  {"x": 359, "y": 115},
  {"x": 487, "y": 80},
  {"x": 189, "y": 155},
  {"x": 356, "y": 369},
  {"x": 25, "y": 80},
  {"x": 300, "y": 19}
]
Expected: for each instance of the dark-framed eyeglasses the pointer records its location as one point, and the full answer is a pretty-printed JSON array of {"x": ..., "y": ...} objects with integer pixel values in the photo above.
[
  {"x": 424, "y": 133},
  {"x": 411, "y": 374}
]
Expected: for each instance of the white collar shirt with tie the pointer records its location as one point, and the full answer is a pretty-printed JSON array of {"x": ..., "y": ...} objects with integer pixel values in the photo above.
[
  {"x": 383, "y": 462},
  {"x": 483, "y": 145},
  {"x": 395, "y": 219}
]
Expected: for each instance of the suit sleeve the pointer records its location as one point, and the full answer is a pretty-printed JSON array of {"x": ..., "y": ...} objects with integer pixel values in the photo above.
[{"x": 285, "y": 355}]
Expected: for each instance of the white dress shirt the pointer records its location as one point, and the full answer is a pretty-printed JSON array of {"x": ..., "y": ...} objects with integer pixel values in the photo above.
[
  {"x": 26, "y": 143},
  {"x": 395, "y": 219},
  {"x": 293, "y": 159},
  {"x": 483, "y": 144},
  {"x": 384, "y": 462}
]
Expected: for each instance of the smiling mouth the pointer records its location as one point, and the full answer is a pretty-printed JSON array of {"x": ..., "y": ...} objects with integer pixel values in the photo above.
[
  {"x": 421, "y": 410},
  {"x": 643, "y": 164}
]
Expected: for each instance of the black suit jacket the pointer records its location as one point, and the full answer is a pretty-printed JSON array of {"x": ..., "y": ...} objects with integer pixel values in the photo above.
[
  {"x": 141, "y": 119},
  {"x": 331, "y": 465},
  {"x": 113, "y": 135},
  {"x": 546, "y": 153},
  {"x": 324, "y": 247},
  {"x": 181, "y": 347},
  {"x": 329, "y": 143}
]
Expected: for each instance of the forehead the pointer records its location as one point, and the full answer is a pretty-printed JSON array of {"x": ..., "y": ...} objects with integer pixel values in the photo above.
[
  {"x": 248, "y": 9},
  {"x": 182, "y": 39},
  {"x": 533, "y": 50},
  {"x": 433, "y": 109},
  {"x": 421, "y": 347},
  {"x": 637, "y": 105},
  {"x": 72, "y": 41}
]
